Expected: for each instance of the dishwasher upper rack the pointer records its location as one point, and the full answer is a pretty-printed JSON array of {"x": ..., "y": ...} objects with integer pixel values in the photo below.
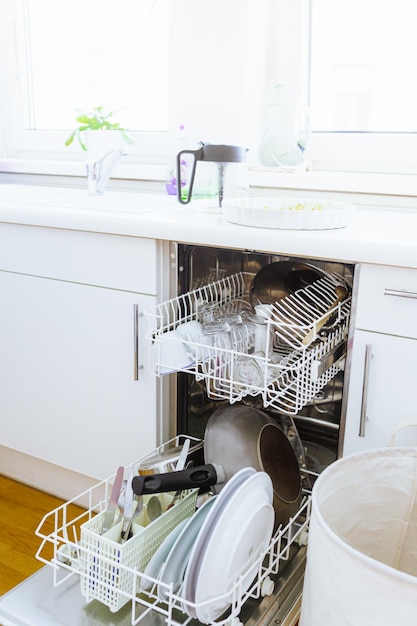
[
  {"x": 62, "y": 549},
  {"x": 294, "y": 371}
]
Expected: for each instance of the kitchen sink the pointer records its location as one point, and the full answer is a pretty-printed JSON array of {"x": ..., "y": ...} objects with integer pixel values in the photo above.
[{"x": 78, "y": 199}]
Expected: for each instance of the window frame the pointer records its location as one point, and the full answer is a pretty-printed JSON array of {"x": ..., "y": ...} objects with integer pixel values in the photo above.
[{"x": 378, "y": 153}]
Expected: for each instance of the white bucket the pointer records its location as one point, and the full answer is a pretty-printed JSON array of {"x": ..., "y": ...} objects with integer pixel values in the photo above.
[{"x": 362, "y": 550}]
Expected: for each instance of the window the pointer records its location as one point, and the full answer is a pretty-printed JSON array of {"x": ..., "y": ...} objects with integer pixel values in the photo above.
[
  {"x": 85, "y": 54},
  {"x": 161, "y": 63},
  {"x": 208, "y": 65},
  {"x": 362, "y": 66},
  {"x": 92, "y": 53},
  {"x": 363, "y": 95}
]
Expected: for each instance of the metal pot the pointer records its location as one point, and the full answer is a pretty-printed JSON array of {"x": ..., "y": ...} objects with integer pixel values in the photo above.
[
  {"x": 166, "y": 460},
  {"x": 280, "y": 279},
  {"x": 238, "y": 437}
]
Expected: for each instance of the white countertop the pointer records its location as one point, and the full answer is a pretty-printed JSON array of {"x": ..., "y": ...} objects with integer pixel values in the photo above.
[{"x": 386, "y": 237}]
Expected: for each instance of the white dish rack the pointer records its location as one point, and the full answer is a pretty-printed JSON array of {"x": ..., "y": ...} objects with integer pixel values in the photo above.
[
  {"x": 301, "y": 358},
  {"x": 110, "y": 572}
]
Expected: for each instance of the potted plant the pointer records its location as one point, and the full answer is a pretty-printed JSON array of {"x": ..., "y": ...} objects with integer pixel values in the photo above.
[{"x": 96, "y": 120}]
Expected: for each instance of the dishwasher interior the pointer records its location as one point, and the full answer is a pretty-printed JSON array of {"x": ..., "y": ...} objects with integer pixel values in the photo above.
[
  {"x": 309, "y": 391},
  {"x": 298, "y": 380}
]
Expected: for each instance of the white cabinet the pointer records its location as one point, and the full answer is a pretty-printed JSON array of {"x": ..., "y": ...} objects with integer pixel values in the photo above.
[
  {"x": 72, "y": 389},
  {"x": 391, "y": 373},
  {"x": 383, "y": 380}
]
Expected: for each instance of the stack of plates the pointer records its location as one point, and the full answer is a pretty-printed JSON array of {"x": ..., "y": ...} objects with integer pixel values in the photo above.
[{"x": 204, "y": 557}]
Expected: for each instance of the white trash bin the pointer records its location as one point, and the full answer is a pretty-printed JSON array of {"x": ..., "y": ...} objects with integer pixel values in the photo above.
[{"x": 362, "y": 549}]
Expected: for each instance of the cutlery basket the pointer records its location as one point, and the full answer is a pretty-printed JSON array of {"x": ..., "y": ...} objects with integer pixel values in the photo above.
[
  {"x": 72, "y": 544},
  {"x": 106, "y": 564}
]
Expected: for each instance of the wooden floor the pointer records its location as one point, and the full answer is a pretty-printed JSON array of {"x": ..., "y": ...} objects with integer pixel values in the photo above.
[{"x": 21, "y": 510}]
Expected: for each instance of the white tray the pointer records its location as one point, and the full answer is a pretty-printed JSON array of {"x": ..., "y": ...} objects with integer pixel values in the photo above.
[{"x": 288, "y": 213}]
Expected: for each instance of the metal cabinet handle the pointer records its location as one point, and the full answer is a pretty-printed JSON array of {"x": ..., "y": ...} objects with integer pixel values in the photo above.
[
  {"x": 136, "y": 366},
  {"x": 400, "y": 293},
  {"x": 364, "y": 405}
]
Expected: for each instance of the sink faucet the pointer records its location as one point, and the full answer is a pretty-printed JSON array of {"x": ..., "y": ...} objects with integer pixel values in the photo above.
[{"x": 98, "y": 172}]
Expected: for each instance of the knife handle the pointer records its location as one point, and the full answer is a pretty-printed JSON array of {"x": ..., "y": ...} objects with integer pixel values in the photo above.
[{"x": 203, "y": 476}]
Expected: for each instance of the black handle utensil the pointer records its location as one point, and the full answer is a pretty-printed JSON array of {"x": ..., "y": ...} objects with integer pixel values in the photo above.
[{"x": 203, "y": 477}]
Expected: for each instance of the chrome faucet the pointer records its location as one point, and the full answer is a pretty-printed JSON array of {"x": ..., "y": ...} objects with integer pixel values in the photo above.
[{"x": 98, "y": 172}]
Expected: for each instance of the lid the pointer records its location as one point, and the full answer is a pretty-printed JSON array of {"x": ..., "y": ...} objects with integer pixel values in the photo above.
[{"x": 223, "y": 153}]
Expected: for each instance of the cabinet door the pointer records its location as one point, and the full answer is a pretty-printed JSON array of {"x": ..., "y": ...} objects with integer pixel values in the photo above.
[
  {"x": 68, "y": 389},
  {"x": 382, "y": 391}
]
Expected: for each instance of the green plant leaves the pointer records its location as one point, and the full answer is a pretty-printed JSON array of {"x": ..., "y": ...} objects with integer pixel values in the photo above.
[{"x": 97, "y": 119}]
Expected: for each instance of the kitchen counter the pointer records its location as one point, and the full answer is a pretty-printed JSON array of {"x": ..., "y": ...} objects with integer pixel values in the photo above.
[{"x": 385, "y": 237}]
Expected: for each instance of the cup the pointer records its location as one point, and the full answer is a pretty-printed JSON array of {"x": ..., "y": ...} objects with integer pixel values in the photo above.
[{"x": 172, "y": 354}]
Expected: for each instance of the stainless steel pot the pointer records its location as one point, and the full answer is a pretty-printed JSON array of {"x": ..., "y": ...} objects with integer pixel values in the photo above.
[
  {"x": 166, "y": 460},
  {"x": 238, "y": 437},
  {"x": 280, "y": 279}
]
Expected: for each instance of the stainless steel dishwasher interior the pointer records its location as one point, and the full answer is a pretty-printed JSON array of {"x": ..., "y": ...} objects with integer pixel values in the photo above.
[
  {"x": 319, "y": 420},
  {"x": 317, "y": 423}
]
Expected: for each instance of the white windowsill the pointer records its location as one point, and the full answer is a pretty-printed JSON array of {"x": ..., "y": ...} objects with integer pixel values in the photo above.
[
  {"x": 382, "y": 189},
  {"x": 350, "y": 182}
]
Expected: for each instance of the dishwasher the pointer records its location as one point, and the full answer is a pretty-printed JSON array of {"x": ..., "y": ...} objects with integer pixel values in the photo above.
[
  {"x": 300, "y": 384},
  {"x": 289, "y": 363}
]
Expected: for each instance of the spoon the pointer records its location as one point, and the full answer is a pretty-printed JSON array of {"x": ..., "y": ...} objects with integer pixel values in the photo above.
[{"x": 154, "y": 508}]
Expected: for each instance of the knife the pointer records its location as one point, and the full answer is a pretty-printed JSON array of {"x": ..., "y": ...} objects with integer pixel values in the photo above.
[
  {"x": 180, "y": 466},
  {"x": 128, "y": 507},
  {"x": 108, "y": 518},
  {"x": 133, "y": 507},
  {"x": 183, "y": 456}
]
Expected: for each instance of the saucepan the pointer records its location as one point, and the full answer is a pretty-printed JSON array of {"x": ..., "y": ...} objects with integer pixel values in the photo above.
[
  {"x": 167, "y": 460},
  {"x": 280, "y": 279},
  {"x": 236, "y": 437}
]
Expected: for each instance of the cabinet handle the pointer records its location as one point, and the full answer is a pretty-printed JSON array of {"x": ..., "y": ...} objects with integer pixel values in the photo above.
[
  {"x": 136, "y": 366},
  {"x": 364, "y": 406},
  {"x": 400, "y": 293}
]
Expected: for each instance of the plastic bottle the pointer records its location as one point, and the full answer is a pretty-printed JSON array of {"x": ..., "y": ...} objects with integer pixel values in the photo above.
[{"x": 181, "y": 143}]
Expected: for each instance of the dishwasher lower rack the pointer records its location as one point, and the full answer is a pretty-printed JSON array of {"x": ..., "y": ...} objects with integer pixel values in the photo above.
[
  {"x": 299, "y": 355},
  {"x": 72, "y": 543},
  {"x": 112, "y": 573}
]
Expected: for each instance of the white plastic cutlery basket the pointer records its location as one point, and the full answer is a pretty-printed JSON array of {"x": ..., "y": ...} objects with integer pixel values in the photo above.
[
  {"x": 107, "y": 565},
  {"x": 107, "y": 568}
]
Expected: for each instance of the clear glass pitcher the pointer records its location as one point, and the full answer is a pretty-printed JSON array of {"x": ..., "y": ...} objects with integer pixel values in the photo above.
[
  {"x": 287, "y": 129},
  {"x": 211, "y": 174}
]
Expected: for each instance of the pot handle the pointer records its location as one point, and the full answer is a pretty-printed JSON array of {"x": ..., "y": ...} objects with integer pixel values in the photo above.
[
  {"x": 186, "y": 167},
  {"x": 203, "y": 476}
]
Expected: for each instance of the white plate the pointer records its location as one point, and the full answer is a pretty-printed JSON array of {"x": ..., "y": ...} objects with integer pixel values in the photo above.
[
  {"x": 288, "y": 213},
  {"x": 173, "y": 569},
  {"x": 194, "y": 562},
  {"x": 240, "y": 536},
  {"x": 156, "y": 562}
]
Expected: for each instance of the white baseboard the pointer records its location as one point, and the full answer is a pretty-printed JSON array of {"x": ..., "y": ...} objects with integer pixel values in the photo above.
[{"x": 53, "y": 479}]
